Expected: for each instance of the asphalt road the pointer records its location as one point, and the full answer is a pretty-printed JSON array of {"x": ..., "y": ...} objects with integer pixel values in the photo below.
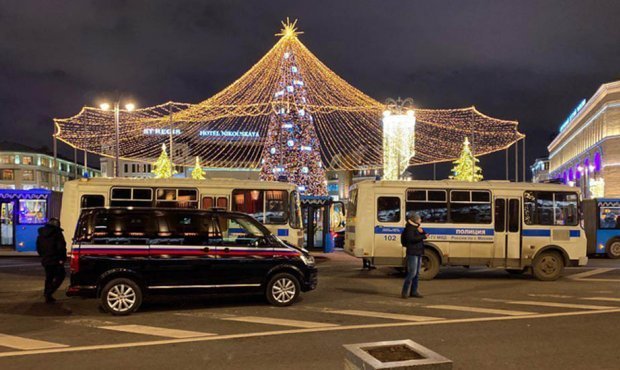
[{"x": 479, "y": 318}]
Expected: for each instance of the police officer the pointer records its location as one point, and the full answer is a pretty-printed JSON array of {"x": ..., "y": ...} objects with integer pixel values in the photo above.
[{"x": 52, "y": 248}]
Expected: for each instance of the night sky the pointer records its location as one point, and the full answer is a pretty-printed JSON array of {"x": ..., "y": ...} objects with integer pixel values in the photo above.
[{"x": 528, "y": 60}]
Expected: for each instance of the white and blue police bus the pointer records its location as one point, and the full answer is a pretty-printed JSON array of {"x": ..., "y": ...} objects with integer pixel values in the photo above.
[{"x": 515, "y": 226}]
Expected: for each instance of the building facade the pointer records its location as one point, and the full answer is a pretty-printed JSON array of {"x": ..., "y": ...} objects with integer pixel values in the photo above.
[
  {"x": 586, "y": 153},
  {"x": 23, "y": 168},
  {"x": 540, "y": 170}
]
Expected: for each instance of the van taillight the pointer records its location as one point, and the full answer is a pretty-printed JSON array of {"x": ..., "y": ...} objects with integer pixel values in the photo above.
[{"x": 75, "y": 262}]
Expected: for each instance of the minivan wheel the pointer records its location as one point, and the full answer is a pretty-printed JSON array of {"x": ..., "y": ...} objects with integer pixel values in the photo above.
[
  {"x": 121, "y": 296},
  {"x": 282, "y": 290}
]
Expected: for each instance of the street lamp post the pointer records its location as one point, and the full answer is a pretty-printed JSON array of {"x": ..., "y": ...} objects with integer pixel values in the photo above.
[{"x": 117, "y": 112}]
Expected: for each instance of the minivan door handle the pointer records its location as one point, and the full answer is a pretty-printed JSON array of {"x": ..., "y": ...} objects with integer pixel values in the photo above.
[{"x": 205, "y": 249}]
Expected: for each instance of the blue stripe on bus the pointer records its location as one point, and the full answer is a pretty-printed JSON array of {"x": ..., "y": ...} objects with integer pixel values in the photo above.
[
  {"x": 437, "y": 231},
  {"x": 282, "y": 232},
  {"x": 575, "y": 233},
  {"x": 535, "y": 232}
]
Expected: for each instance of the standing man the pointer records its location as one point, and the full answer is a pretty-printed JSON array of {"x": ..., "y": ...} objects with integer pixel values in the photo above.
[
  {"x": 52, "y": 248},
  {"x": 412, "y": 238}
]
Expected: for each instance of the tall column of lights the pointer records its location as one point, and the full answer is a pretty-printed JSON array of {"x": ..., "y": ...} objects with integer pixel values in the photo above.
[
  {"x": 398, "y": 137},
  {"x": 129, "y": 107}
]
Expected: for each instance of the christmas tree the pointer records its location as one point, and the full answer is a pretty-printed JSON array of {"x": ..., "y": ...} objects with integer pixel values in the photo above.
[
  {"x": 465, "y": 168},
  {"x": 292, "y": 149},
  {"x": 163, "y": 167},
  {"x": 198, "y": 173}
]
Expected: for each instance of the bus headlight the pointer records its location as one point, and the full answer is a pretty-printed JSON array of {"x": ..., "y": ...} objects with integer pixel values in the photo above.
[{"x": 308, "y": 259}]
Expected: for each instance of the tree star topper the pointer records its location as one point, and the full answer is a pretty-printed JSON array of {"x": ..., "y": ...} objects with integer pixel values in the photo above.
[{"x": 290, "y": 29}]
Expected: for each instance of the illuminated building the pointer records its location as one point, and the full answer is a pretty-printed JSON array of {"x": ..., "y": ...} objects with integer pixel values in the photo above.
[
  {"x": 586, "y": 152},
  {"x": 540, "y": 170}
]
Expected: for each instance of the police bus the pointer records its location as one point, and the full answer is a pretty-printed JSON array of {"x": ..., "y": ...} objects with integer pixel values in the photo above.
[
  {"x": 515, "y": 226},
  {"x": 275, "y": 204}
]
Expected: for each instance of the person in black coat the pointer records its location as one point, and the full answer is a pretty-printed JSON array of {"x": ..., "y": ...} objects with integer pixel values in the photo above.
[
  {"x": 52, "y": 248},
  {"x": 412, "y": 238}
]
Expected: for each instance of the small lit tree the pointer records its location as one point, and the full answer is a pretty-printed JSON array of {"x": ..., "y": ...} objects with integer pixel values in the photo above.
[
  {"x": 465, "y": 168},
  {"x": 198, "y": 173},
  {"x": 163, "y": 167}
]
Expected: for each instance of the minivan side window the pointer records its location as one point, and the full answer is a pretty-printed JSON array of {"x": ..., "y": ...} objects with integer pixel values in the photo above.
[
  {"x": 190, "y": 228},
  {"x": 123, "y": 227},
  {"x": 239, "y": 231}
]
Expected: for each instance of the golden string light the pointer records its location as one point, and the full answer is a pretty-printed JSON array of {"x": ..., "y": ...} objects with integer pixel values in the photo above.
[{"x": 230, "y": 128}]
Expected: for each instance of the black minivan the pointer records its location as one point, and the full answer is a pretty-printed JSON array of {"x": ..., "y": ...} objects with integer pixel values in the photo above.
[{"x": 121, "y": 254}]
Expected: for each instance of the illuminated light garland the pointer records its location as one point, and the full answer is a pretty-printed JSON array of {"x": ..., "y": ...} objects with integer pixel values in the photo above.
[
  {"x": 163, "y": 167},
  {"x": 347, "y": 122},
  {"x": 198, "y": 173}
]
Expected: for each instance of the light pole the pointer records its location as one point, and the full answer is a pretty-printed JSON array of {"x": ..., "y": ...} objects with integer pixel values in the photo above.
[{"x": 117, "y": 112}]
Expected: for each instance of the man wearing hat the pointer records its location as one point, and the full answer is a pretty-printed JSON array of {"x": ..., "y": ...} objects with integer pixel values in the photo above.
[
  {"x": 412, "y": 238},
  {"x": 52, "y": 248}
]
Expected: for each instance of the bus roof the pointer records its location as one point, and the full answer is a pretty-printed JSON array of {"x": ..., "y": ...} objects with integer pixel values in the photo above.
[
  {"x": 183, "y": 182},
  {"x": 453, "y": 184}
]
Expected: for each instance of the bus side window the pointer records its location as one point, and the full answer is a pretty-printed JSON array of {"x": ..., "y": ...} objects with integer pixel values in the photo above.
[
  {"x": 514, "y": 218},
  {"x": 388, "y": 209},
  {"x": 500, "y": 215},
  {"x": 92, "y": 200}
]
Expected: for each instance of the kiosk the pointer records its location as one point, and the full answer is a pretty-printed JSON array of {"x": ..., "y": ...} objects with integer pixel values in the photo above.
[{"x": 22, "y": 213}]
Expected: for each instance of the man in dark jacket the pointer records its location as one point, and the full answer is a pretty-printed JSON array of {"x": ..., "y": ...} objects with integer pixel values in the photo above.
[
  {"x": 52, "y": 248},
  {"x": 412, "y": 238}
]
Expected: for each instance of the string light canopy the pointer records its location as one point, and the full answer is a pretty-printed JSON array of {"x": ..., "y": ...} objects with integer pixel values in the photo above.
[{"x": 231, "y": 128}]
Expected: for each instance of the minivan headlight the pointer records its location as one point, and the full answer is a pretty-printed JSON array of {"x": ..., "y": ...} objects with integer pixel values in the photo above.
[{"x": 308, "y": 259}]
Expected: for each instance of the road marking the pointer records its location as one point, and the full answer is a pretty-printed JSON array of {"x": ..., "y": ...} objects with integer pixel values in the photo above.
[
  {"x": 156, "y": 331},
  {"x": 21, "y": 265},
  {"x": 14, "y": 342},
  {"x": 481, "y": 310},
  {"x": 299, "y": 331},
  {"x": 385, "y": 315},
  {"x": 585, "y": 274},
  {"x": 610, "y": 299},
  {"x": 600, "y": 280},
  {"x": 562, "y": 305},
  {"x": 282, "y": 322}
]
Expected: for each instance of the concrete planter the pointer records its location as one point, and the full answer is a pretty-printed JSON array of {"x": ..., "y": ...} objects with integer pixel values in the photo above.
[{"x": 398, "y": 354}]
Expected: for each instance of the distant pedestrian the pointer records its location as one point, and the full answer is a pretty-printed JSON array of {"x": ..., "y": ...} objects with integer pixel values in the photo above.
[
  {"x": 52, "y": 248},
  {"x": 412, "y": 238}
]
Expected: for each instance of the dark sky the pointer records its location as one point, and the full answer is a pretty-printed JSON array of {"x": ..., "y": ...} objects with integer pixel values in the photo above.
[{"x": 529, "y": 60}]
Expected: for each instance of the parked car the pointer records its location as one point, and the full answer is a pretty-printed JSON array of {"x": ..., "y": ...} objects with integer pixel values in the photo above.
[{"x": 120, "y": 255}]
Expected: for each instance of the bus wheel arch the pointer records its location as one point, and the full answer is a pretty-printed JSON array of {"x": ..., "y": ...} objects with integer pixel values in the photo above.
[
  {"x": 431, "y": 260},
  {"x": 548, "y": 264},
  {"x": 612, "y": 249}
]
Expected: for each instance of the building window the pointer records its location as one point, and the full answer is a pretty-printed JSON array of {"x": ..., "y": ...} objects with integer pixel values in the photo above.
[
  {"x": 7, "y": 175},
  {"x": 4, "y": 159},
  {"x": 27, "y": 160},
  {"x": 44, "y": 176},
  {"x": 28, "y": 175},
  {"x": 126, "y": 168}
]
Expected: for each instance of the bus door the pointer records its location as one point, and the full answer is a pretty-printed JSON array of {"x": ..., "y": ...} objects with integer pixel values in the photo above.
[
  {"x": 215, "y": 201},
  {"x": 389, "y": 223},
  {"x": 7, "y": 218},
  {"x": 508, "y": 251}
]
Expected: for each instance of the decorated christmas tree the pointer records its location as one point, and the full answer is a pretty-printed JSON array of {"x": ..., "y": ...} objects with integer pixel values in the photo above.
[
  {"x": 198, "y": 173},
  {"x": 465, "y": 168},
  {"x": 292, "y": 149},
  {"x": 163, "y": 167}
]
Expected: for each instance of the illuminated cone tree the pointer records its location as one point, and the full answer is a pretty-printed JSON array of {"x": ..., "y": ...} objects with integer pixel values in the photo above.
[
  {"x": 163, "y": 167},
  {"x": 465, "y": 168},
  {"x": 198, "y": 173},
  {"x": 292, "y": 149}
]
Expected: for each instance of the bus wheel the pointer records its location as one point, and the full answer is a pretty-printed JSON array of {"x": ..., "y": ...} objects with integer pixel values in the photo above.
[
  {"x": 613, "y": 249},
  {"x": 430, "y": 265},
  {"x": 548, "y": 266}
]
